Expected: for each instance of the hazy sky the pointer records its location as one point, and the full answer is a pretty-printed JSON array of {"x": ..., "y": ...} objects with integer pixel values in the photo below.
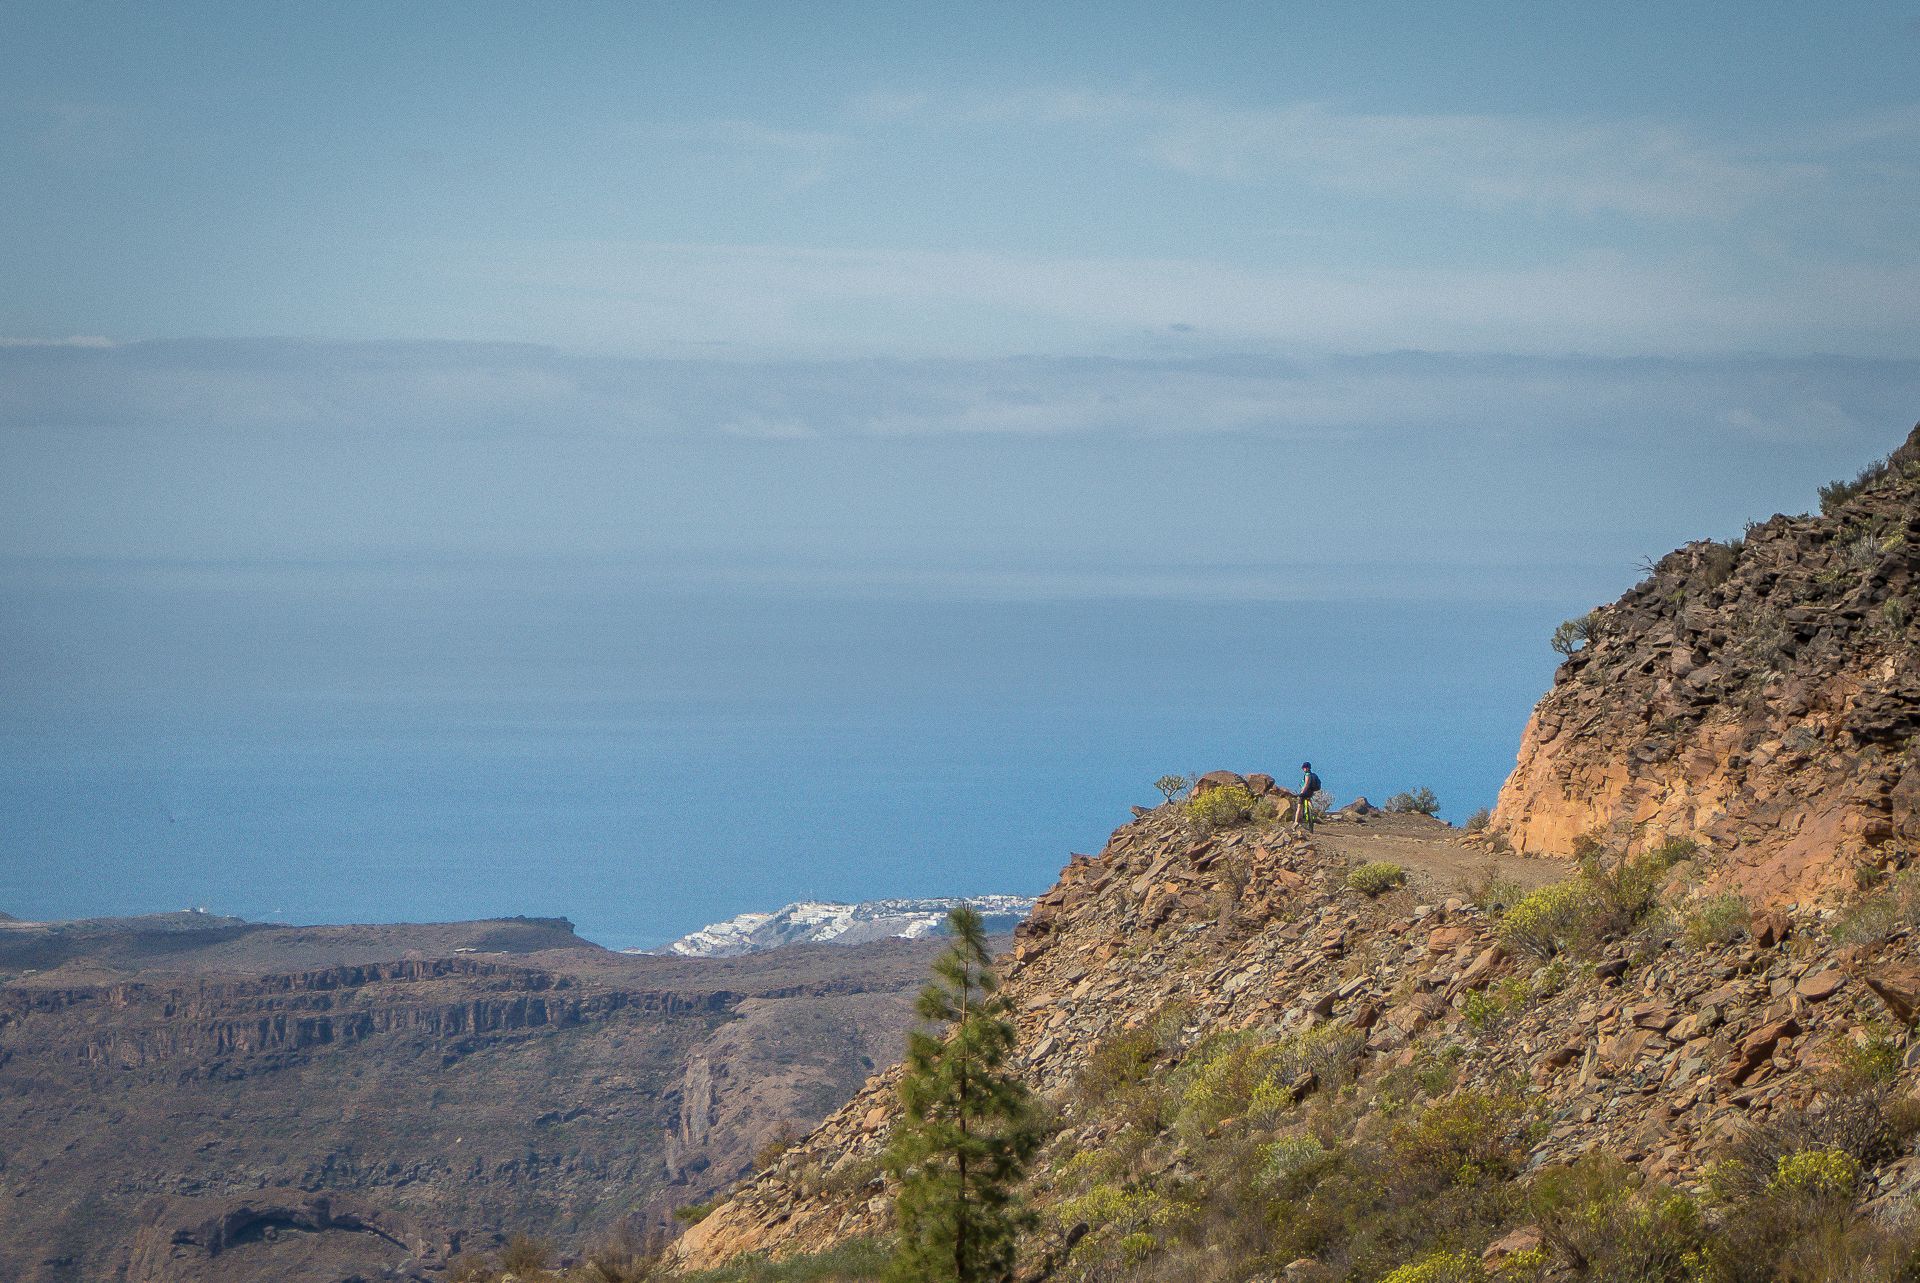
[
  {"x": 852, "y": 179},
  {"x": 1067, "y": 290}
]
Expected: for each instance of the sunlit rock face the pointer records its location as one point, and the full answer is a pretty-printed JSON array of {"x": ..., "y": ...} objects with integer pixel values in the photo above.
[{"x": 1762, "y": 697}]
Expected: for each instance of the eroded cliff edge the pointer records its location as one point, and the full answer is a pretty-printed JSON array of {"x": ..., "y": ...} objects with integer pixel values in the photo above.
[{"x": 1761, "y": 696}]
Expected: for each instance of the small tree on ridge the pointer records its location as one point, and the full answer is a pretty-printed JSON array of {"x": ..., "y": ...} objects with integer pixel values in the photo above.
[{"x": 967, "y": 1128}]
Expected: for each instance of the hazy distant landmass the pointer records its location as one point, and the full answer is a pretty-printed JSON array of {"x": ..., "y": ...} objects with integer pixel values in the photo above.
[{"x": 815, "y": 922}]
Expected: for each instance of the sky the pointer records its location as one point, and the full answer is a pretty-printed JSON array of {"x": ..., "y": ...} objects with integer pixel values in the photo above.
[
  {"x": 876, "y": 283},
  {"x": 861, "y": 179},
  {"x": 1217, "y": 302}
]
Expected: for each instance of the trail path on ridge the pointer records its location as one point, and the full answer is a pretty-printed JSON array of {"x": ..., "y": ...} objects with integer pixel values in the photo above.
[{"x": 1430, "y": 850}]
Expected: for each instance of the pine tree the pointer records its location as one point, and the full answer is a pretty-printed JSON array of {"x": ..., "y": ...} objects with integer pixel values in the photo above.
[{"x": 967, "y": 1129}]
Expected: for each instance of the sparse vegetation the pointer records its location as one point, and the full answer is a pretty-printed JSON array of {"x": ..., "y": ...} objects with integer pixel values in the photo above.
[
  {"x": 1835, "y": 494},
  {"x": 1717, "y": 562},
  {"x": 1420, "y": 801},
  {"x": 1478, "y": 821},
  {"x": 1612, "y": 895},
  {"x": 524, "y": 1254},
  {"x": 1493, "y": 892},
  {"x": 1572, "y": 634},
  {"x": 1487, "y": 1010},
  {"x": 1717, "y": 921},
  {"x": 855, "y": 1262},
  {"x": 1172, "y": 786},
  {"x": 774, "y": 1146},
  {"x": 1887, "y": 909},
  {"x": 1376, "y": 877},
  {"x": 1222, "y": 807}
]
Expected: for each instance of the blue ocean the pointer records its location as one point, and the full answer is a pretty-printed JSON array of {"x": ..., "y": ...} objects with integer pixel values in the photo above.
[{"x": 645, "y": 753}]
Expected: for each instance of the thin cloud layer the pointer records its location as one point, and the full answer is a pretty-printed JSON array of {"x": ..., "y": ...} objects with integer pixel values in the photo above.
[{"x": 402, "y": 389}]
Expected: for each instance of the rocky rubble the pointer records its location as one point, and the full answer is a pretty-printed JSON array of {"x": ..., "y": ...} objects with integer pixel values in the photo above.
[
  {"x": 1655, "y": 1058},
  {"x": 1761, "y": 696}
]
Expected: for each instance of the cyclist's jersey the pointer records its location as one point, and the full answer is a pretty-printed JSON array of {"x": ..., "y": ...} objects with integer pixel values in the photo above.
[{"x": 1311, "y": 786}]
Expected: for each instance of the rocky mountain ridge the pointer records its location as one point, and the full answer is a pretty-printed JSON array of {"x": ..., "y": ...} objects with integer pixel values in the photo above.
[
  {"x": 1761, "y": 696},
  {"x": 1656, "y": 1059}
]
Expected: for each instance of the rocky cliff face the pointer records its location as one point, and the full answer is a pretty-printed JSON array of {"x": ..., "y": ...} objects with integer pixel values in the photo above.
[
  {"x": 371, "y": 1118},
  {"x": 1761, "y": 697}
]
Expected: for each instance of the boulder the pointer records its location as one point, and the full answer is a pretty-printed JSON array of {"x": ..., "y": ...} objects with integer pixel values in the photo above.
[
  {"x": 1525, "y": 1239},
  {"x": 1821, "y": 985},
  {"x": 1757, "y": 1048},
  {"x": 1217, "y": 780},
  {"x": 1898, "y": 985},
  {"x": 1769, "y": 928}
]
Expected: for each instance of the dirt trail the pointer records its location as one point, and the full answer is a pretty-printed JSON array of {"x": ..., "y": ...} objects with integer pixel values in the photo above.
[{"x": 1431, "y": 851}]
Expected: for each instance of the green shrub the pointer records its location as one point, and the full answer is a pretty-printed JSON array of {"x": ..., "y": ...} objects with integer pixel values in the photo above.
[
  {"x": 1613, "y": 895},
  {"x": 1441, "y": 1267},
  {"x": 1598, "y": 1216},
  {"x": 1118, "y": 1061},
  {"x": 1571, "y": 634},
  {"x": 1376, "y": 876},
  {"x": 1835, "y": 494},
  {"x": 1478, "y": 821},
  {"x": 1172, "y": 786},
  {"x": 1220, "y": 808},
  {"x": 694, "y": 1213},
  {"x": 1547, "y": 921},
  {"x": 1625, "y": 889},
  {"x": 1290, "y": 1164},
  {"x": 1245, "y": 1075},
  {"x": 1826, "y": 1174},
  {"x": 1118, "y": 1078},
  {"x": 1137, "y": 1247},
  {"x": 1486, "y": 1010},
  {"x": 1103, "y": 1204},
  {"x": 1471, "y": 1136},
  {"x": 1420, "y": 801},
  {"x": 1873, "y": 1061},
  {"x": 1717, "y": 921},
  {"x": 1891, "y": 908}
]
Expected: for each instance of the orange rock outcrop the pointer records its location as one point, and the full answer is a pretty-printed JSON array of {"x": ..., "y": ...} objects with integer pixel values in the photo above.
[{"x": 1762, "y": 697}]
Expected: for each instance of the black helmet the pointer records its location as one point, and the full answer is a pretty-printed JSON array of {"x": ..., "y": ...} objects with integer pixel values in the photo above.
[{"x": 1306, "y": 766}]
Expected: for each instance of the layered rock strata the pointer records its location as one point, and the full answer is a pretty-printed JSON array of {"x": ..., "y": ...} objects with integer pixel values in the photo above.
[{"x": 372, "y": 1118}]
